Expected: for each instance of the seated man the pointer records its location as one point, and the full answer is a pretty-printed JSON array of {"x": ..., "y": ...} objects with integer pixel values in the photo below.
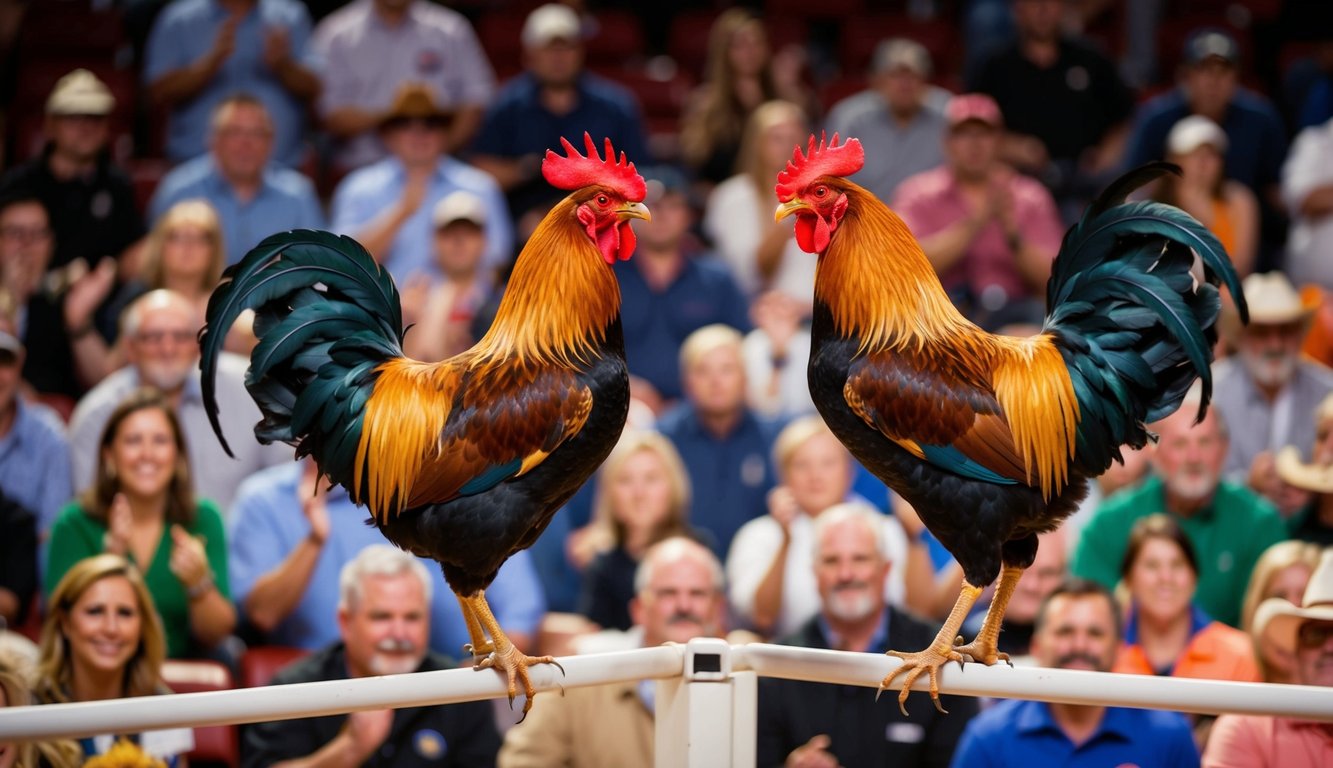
[
  {"x": 679, "y": 597},
  {"x": 287, "y": 543},
  {"x": 804, "y": 723},
  {"x": 1078, "y": 627},
  {"x": 382, "y": 625},
  {"x": 34, "y": 455}
]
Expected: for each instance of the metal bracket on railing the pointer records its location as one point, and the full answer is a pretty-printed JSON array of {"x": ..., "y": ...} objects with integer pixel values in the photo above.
[{"x": 708, "y": 712}]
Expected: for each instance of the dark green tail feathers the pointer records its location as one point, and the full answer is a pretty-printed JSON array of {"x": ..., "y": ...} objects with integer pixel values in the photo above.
[
  {"x": 1135, "y": 327},
  {"x": 326, "y": 315}
]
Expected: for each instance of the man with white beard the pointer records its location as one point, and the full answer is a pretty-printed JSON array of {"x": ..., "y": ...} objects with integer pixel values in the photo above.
[
  {"x": 1267, "y": 391},
  {"x": 814, "y": 724},
  {"x": 158, "y": 331},
  {"x": 384, "y": 619},
  {"x": 1229, "y": 525}
]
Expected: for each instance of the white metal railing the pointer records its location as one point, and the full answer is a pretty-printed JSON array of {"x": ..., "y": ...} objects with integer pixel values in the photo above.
[{"x": 698, "y": 684}]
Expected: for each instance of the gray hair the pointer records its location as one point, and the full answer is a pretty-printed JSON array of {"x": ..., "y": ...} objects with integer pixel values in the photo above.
[
  {"x": 161, "y": 298},
  {"x": 378, "y": 560},
  {"x": 671, "y": 550},
  {"x": 869, "y": 517}
]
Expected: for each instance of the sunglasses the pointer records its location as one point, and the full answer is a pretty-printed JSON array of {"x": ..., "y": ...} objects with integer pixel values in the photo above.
[{"x": 1314, "y": 634}]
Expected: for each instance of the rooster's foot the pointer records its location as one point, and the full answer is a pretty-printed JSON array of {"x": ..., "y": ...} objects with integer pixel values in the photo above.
[
  {"x": 984, "y": 652},
  {"x": 928, "y": 661},
  {"x": 515, "y": 666},
  {"x": 479, "y": 652}
]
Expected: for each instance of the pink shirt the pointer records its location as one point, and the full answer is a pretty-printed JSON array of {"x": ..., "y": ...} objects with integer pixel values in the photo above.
[
  {"x": 930, "y": 202},
  {"x": 1254, "y": 741}
]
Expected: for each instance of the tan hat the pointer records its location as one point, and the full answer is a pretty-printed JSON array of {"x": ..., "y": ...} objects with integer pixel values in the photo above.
[
  {"x": 1277, "y": 619},
  {"x": 80, "y": 93},
  {"x": 1307, "y": 477},
  {"x": 1273, "y": 300},
  {"x": 901, "y": 53},
  {"x": 459, "y": 206},
  {"x": 414, "y": 101},
  {"x": 549, "y": 22}
]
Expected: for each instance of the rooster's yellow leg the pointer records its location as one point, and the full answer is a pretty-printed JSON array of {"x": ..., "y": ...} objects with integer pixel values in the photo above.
[
  {"x": 505, "y": 656},
  {"x": 480, "y": 646},
  {"x": 940, "y": 652},
  {"x": 985, "y": 648}
]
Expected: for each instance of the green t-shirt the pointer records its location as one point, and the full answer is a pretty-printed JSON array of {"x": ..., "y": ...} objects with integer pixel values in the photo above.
[
  {"x": 1228, "y": 537},
  {"x": 75, "y": 535}
]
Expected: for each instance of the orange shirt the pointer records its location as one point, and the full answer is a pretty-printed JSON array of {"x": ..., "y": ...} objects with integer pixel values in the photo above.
[{"x": 1215, "y": 652}]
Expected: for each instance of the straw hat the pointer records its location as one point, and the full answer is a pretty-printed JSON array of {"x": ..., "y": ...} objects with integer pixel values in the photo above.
[
  {"x": 1277, "y": 619},
  {"x": 1273, "y": 300}
]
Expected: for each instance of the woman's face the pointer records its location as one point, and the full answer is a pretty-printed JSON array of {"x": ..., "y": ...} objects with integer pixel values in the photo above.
[
  {"x": 1161, "y": 580},
  {"x": 103, "y": 626},
  {"x": 1201, "y": 166},
  {"x": 1288, "y": 584},
  {"x": 186, "y": 253},
  {"x": 748, "y": 51},
  {"x": 641, "y": 491},
  {"x": 778, "y": 141},
  {"x": 143, "y": 454},
  {"x": 819, "y": 473}
]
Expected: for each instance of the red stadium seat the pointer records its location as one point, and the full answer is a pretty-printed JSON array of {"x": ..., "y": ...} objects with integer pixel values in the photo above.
[
  {"x": 214, "y": 745},
  {"x": 261, "y": 662}
]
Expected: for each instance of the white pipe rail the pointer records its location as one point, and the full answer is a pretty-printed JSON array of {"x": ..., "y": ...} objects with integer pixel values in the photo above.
[{"x": 246, "y": 705}]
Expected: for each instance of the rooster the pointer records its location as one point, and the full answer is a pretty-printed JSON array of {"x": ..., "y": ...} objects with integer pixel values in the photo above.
[
  {"x": 993, "y": 438},
  {"x": 466, "y": 460}
]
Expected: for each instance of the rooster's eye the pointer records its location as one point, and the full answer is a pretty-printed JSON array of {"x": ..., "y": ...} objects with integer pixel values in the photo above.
[
  {"x": 601, "y": 200},
  {"x": 821, "y": 191}
]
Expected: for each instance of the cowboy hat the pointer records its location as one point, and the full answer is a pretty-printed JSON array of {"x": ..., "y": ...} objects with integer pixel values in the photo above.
[
  {"x": 1277, "y": 619},
  {"x": 414, "y": 101},
  {"x": 1273, "y": 300}
]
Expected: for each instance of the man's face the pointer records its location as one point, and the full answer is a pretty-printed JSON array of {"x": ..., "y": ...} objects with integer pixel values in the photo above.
[
  {"x": 26, "y": 244},
  {"x": 819, "y": 473},
  {"x": 1270, "y": 352},
  {"x": 386, "y": 630},
  {"x": 680, "y": 602},
  {"x": 672, "y": 218},
  {"x": 715, "y": 382},
  {"x": 902, "y": 89},
  {"x": 163, "y": 348},
  {"x": 1314, "y": 653},
  {"x": 556, "y": 64},
  {"x": 849, "y": 571},
  {"x": 242, "y": 141},
  {"x": 1039, "y": 580},
  {"x": 1039, "y": 19},
  {"x": 972, "y": 148},
  {"x": 1209, "y": 86},
  {"x": 1079, "y": 633},
  {"x": 11, "y": 368},
  {"x": 1189, "y": 457},
  {"x": 417, "y": 141},
  {"x": 459, "y": 247},
  {"x": 81, "y": 137}
]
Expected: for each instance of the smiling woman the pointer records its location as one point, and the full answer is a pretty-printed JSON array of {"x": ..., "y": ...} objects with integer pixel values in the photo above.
[{"x": 142, "y": 507}]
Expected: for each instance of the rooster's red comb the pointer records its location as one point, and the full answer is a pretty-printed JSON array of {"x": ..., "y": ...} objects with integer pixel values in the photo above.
[
  {"x": 575, "y": 171},
  {"x": 822, "y": 160}
]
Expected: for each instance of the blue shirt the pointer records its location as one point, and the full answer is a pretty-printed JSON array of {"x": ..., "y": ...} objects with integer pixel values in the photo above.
[
  {"x": 267, "y": 523},
  {"x": 184, "y": 33},
  {"x": 34, "y": 463},
  {"x": 656, "y": 324},
  {"x": 730, "y": 477},
  {"x": 369, "y": 192},
  {"x": 1256, "y": 136},
  {"x": 286, "y": 200},
  {"x": 1024, "y": 734}
]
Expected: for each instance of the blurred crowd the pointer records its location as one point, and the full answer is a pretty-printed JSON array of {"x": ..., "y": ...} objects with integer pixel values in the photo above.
[{"x": 149, "y": 144}]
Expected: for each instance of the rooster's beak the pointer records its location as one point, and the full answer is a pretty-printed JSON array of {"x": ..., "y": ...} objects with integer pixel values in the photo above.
[
  {"x": 788, "y": 208},
  {"x": 634, "y": 211}
]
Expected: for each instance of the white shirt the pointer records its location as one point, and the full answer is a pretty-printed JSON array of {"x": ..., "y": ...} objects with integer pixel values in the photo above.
[
  {"x": 1308, "y": 167},
  {"x": 735, "y": 220}
]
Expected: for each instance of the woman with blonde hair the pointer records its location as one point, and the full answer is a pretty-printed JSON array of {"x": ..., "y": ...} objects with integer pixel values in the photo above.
[
  {"x": 1283, "y": 570},
  {"x": 16, "y": 691},
  {"x": 642, "y": 497}
]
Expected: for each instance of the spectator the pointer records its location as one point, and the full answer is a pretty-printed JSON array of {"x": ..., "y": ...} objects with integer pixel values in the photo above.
[
  {"x": 383, "y": 626},
  {"x": 777, "y": 354},
  {"x": 159, "y": 342},
  {"x": 142, "y": 507},
  {"x": 1266, "y": 392},
  {"x": 1166, "y": 633},
  {"x": 1307, "y": 191},
  {"x": 90, "y": 200},
  {"x": 643, "y": 497},
  {"x": 55, "y": 311},
  {"x": 742, "y": 73},
  {"x": 761, "y": 253},
  {"x": 678, "y": 596},
  {"x": 102, "y": 639},
  {"x": 725, "y": 446},
  {"x": 769, "y": 562},
  {"x": 1038, "y": 581},
  {"x": 1228, "y": 524},
  {"x": 990, "y": 233},
  {"x": 290, "y": 538},
  {"x": 1078, "y": 627},
  {"x": 899, "y": 118},
  {"x": 669, "y": 292},
  {"x": 387, "y": 206},
  {"x": 253, "y": 197},
  {"x": 1227, "y": 208},
  {"x": 16, "y": 691},
  {"x": 34, "y": 455},
  {"x": 1282, "y": 571},
  {"x": 1066, "y": 110},
  {"x": 1208, "y": 86},
  {"x": 1313, "y": 522},
  {"x": 804, "y": 723},
  {"x": 369, "y": 48},
  {"x": 1250, "y": 740},
  {"x": 200, "y": 52},
  {"x": 445, "y": 310},
  {"x": 18, "y": 563},
  {"x": 554, "y": 97}
]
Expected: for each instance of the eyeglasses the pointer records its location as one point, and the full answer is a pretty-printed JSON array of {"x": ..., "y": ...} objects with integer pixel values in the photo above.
[
  {"x": 25, "y": 234},
  {"x": 1314, "y": 634},
  {"x": 157, "y": 337},
  {"x": 187, "y": 237}
]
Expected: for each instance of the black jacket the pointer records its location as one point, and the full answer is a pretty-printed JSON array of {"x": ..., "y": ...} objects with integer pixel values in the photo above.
[{"x": 863, "y": 732}]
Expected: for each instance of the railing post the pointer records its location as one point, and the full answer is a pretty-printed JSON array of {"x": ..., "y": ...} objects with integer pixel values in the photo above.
[{"x": 697, "y": 721}]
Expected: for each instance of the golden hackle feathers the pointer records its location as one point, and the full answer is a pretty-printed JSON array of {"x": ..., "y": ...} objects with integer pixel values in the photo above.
[
  {"x": 402, "y": 430},
  {"x": 1033, "y": 387}
]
